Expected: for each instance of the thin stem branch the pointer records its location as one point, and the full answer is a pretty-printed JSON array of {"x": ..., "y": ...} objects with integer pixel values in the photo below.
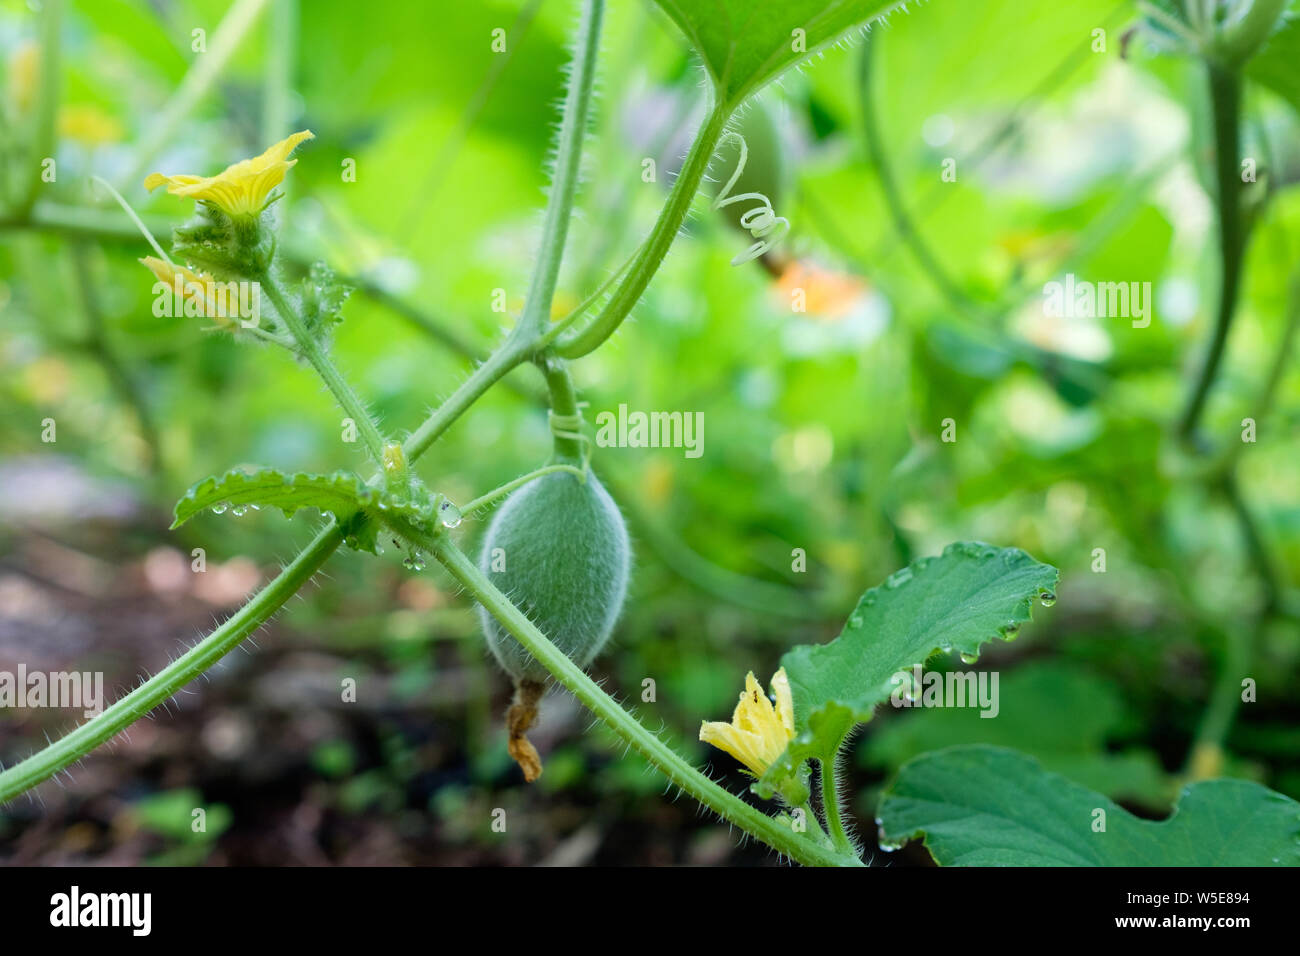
[
  {"x": 497, "y": 365},
  {"x": 568, "y": 162},
  {"x": 1225, "y": 98},
  {"x": 676, "y": 768},
  {"x": 482, "y": 501},
  {"x": 315, "y": 353}
]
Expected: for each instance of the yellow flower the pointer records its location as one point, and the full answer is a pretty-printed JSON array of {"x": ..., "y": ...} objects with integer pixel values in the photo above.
[
  {"x": 241, "y": 189},
  {"x": 199, "y": 293},
  {"x": 758, "y": 732}
]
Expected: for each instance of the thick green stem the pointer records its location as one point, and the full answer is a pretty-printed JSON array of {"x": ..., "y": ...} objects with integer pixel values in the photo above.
[
  {"x": 831, "y": 807},
  {"x": 1225, "y": 100},
  {"x": 73, "y": 746},
  {"x": 657, "y": 244},
  {"x": 668, "y": 761},
  {"x": 315, "y": 353},
  {"x": 568, "y": 161}
]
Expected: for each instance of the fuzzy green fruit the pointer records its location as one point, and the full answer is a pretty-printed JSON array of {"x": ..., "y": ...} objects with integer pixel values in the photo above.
[{"x": 560, "y": 551}]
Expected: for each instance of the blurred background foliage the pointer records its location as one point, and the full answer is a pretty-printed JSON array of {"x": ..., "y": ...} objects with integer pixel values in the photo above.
[{"x": 925, "y": 302}]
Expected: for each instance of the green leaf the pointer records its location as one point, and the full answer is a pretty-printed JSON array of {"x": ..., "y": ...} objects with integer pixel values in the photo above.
[
  {"x": 1275, "y": 65},
  {"x": 1051, "y": 710},
  {"x": 986, "y": 806},
  {"x": 746, "y": 43},
  {"x": 971, "y": 594},
  {"x": 341, "y": 494}
]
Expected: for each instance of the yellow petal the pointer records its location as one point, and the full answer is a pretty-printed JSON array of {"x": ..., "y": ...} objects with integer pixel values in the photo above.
[
  {"x": 242, "y": 188},
  {"x": 784, "y": 700}
]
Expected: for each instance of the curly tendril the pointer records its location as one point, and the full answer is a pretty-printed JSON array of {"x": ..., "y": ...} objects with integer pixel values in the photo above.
[
  {"x": 571, "y": 427},
  {"x": 762, "y": 222}
]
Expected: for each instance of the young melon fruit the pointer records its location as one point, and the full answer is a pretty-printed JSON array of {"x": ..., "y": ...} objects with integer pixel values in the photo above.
[{"x": 558, "y": 549}]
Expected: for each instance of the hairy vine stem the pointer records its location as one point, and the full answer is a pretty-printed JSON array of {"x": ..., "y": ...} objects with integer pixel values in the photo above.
[
  {"x": 831, "y": 807},
  {"x": 568, "y": 159},
  {"x": 315, "y": 353},
  {"x": 167, "y": 682}
]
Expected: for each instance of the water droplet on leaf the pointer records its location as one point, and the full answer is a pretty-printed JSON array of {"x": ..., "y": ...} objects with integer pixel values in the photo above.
[
  {"x": 448, "y": 514},
  {"x": 220, "y": 508}
]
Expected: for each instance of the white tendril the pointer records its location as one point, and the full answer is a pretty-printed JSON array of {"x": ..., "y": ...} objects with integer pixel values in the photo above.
[{"x": 762, "y": 222}]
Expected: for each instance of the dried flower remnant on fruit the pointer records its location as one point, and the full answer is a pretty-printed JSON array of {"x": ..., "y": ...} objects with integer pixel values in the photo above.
[
  {"x": 759, "y": 731},
  {"x": 242, "y": 189},
  {"x": 519, "y": 718}
]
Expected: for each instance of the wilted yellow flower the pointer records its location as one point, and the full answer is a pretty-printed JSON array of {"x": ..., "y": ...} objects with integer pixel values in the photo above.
[
  {"x": 200, "y": 294},
  {"x": 758, "y": 732},
  {"x": 241, "y": 189}
]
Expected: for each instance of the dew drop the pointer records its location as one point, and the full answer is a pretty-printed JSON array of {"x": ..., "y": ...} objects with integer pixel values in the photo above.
[
  {"x": 1047, "y": 598},
  {"x": 220, "y": 508},
  {"x": 855, "y": 621},
  {"x": 448, "y": 514},
  {"x": 1012, "y": 632},
  {"x": 898, "y": 578},
  {"x": 967, "y": 658},
  {"x": 239, "y": 510},
  {"x": 884, "y": 843}
]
